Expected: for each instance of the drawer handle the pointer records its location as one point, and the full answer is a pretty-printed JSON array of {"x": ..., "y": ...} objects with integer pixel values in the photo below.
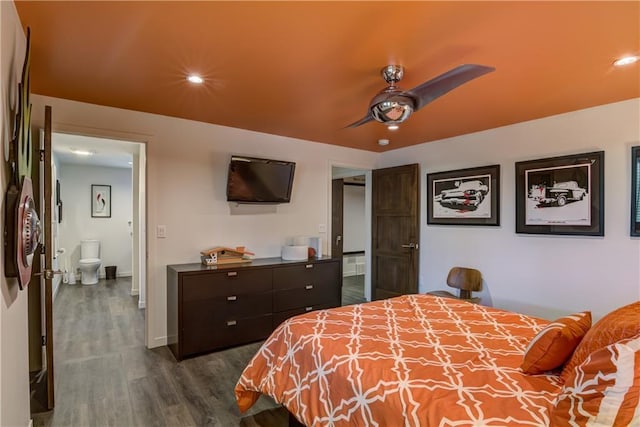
[
  {"x": 308, "y": 287},
  {"x": 308, "y": 308},
  {"x": 232, "y": 298},
  {"x": 232, "y": 274},
  {"x": 309, "y": 266},
  {"x": 231, "y": 323}
]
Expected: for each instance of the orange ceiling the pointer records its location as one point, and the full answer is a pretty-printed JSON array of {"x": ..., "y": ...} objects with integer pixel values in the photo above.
[{"x": 308, "y": 69}]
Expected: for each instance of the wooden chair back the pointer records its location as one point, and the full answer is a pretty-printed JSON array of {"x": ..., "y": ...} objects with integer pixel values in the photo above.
[{"x": 468, "y": 280}]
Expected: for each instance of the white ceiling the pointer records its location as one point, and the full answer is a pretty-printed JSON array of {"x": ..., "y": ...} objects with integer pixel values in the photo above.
[{"x": 106, "y": 152}]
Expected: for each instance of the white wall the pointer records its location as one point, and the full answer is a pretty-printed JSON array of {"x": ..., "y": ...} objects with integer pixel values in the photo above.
[
  {"x": 186, "y": 187},
  {"x": 77, "y": 223},
  {"x": 522, "y": 272},
  {"x": 14, "y": 347}
]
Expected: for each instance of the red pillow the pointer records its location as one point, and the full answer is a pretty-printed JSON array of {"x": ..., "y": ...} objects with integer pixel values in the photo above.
[
  {"x": 553, "y": 345},
  {"x": 615, "y": 326},
  {"x": 604, "y": 390}
]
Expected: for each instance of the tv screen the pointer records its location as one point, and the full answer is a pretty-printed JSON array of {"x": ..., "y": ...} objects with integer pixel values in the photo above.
[{"x": 253, "y": 180}]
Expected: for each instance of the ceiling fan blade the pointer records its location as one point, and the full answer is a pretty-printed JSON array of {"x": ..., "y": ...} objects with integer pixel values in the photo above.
[
  {"x": 446, "y": 82},
  {"x": 365, "y": 119}
]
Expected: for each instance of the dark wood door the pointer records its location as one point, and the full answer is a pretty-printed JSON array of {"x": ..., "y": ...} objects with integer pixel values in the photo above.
[
  {"x": 337, "y": 202},
  {"x": 395, "y": 218},
  {"x": 40, "y": 290}
]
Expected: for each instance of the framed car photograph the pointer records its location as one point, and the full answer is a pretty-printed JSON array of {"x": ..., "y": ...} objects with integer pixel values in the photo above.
[
  {"x": 561, "y": 195},
  {"x": 464, "y": 196},
  {"x": 635, "y": 191}
]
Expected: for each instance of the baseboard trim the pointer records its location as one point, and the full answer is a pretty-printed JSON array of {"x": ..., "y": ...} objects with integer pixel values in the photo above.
[
  {"x": 158, "y": 342},
  {"x": 118, "y": 274}
]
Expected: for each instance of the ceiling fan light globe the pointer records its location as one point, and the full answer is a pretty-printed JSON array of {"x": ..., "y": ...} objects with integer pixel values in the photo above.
[{"x": 391, "y": 112}]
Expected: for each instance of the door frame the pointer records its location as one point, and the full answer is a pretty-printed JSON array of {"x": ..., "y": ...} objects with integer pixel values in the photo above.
[
  {"x": 140, "y": 235},
  {"x": 366, "y": 171}
]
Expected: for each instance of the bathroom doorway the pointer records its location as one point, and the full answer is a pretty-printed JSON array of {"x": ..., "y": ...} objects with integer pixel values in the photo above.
[
  {"x": 86, "y": 166},
  {"x": 350, "y": 230}
]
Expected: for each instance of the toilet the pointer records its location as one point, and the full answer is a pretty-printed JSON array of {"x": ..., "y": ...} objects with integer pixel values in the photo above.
[{"x": 89, "y": 261}]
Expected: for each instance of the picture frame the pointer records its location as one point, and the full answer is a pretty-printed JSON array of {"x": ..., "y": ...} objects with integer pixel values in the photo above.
[
  {"x": 58, "y": 201},
  {"x": 464, "y": 196},
  {"x": 100, "y": 201},
  {"x": 635, "y": 191},
  {"x": 561, "y": 195}
]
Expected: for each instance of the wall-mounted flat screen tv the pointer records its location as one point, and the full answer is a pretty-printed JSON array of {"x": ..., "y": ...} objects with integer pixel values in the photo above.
[{"x": 253, "y": 180}]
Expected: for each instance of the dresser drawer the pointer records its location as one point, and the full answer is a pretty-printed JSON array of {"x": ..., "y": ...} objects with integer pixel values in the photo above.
[
  {"x": 278, "y": 318},
  {"x": 226, "y": 333},
  {"x": 225, "y": 283},
  {"x": 215, "y": 310},
  {"x": 300, "y": 275},
  {"x": 293, "y": 276},
  {"x": 310, "y": 294}
]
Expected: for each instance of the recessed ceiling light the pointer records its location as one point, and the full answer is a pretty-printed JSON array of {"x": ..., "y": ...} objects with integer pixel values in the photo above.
[
  {"x": 82, "y": 152},
  {"x": 626, "y": 60},
  {"x": 383, "y": 142},
  {"x": 194, "y": 78},
  {"x": 393, "y": 127}
]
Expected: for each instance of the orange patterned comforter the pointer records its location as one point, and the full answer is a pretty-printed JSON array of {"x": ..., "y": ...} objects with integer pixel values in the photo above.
[{"x": 414, "y": 360}]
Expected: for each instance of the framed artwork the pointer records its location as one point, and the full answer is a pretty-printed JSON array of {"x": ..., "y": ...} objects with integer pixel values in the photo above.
[
  {"x": 100, "y": 201},
  {"x": 561, "y": 195},
  {"x": 464, "y": 196},
  {"x": 635, "y": 191},
  {"x": 58, "y": 201}
]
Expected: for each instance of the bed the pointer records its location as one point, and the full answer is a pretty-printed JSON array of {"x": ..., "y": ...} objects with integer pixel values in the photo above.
[{"x": 413, "y": 360}]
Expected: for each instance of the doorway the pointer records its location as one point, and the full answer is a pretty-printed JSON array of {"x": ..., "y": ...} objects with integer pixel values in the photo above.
[
  {"x": 81, "y": 166},
  {"x": 350, "y": 230}
]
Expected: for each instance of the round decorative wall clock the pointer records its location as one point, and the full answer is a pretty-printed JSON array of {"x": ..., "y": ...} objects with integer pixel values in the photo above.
[{"x": 29, "y": 231}]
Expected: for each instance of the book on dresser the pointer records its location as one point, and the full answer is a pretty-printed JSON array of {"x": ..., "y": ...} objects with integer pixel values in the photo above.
[{"x": 211, "y": 308}]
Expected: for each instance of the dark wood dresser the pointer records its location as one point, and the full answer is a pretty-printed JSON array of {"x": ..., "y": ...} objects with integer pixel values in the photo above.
[{"x": 211, "y": 308}]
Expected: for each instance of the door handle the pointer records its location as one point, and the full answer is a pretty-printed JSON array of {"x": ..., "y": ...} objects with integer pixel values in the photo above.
[
  {"x": 338, "y": 239},
  {"x": 411, "y": 246},
  {"x": 48, "y": 274}
]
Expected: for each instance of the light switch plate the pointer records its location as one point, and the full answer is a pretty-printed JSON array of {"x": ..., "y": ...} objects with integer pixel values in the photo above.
[
  {"x": 161, "y": 232},
  {"x": 322, "y": 228}
]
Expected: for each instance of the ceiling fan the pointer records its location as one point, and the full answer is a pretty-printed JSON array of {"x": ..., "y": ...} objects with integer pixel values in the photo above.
[{"x": 393, "y": 105}]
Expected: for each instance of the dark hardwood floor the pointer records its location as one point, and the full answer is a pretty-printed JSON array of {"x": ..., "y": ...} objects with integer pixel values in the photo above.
[
  {"x": 353, "y": 290},
  {"x": 104, "y": 376}
]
